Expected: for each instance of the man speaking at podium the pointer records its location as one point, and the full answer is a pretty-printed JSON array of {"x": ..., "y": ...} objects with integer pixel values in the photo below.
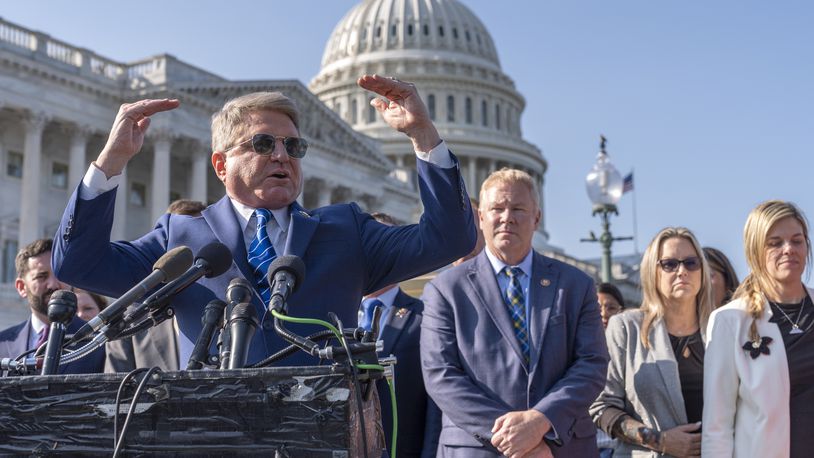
[{"x": 257, "y": 151}]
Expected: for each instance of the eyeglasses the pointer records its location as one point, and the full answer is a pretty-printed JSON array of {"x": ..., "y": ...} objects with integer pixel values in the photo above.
[
  {"x": 671, "y": 264},
  {"x": 263, "y": 144}
]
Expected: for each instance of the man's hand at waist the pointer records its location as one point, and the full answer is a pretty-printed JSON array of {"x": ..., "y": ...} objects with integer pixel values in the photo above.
[{"x": 516, "y": 434}]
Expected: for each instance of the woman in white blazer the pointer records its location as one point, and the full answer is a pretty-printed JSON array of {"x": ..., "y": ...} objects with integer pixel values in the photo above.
[
  {"x": 759, "y": 365},
  {"x": 652, "y": 401}
]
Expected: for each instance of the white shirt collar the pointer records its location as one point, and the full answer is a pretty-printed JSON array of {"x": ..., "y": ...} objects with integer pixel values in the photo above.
[
  {"x": 244, "y": 214},
  {"x": 36, "y": 324},
  {"x": 498, "y": 265},
  {"x": 388, "y": 297}
]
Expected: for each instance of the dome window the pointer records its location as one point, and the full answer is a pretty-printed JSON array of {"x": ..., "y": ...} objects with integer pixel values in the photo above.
[
  {"x": 410, "y": 29},
  {"x": 431, "y": 106},
  {"x": 441, "y": 30},
  {"x": 468, "y": 110},
  {"x": 450, "y": 108},
  {"x": 426, "y": 29},
  {"x": 497, "y": 117},
  {"x": 393, "y": 30},
  {"x": 484, "y": 114},
  {"x": 455, "y": 33},
  {"x": 354, "y": 112},
  {"x": 378, "y": 31},
  {"x": 467, "y": 35}
]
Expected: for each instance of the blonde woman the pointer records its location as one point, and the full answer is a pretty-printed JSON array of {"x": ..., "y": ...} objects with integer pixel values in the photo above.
[
  {"x": 652, "y": 401},
  {"x": 760, "y": 347}
]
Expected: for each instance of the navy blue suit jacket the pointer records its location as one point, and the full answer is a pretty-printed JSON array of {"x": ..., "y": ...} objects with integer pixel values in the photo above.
[
  {"x": 346, "y": 252},
  {"x": 14, "y": 342},
  {"x": 474, "y": 368},
  {"x": 419, "y": 420}
]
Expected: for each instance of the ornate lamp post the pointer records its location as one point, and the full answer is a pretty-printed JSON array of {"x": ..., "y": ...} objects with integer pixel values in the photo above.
[{"x": 604, "y": 185}]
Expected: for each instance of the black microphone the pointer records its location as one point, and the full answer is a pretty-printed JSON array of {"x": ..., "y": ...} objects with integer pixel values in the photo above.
[
  {"x": 168, "y": 267},
  {"x": 284, "y": 275},
  {"x": 213, "y": 260},
  {"x": 61, "y": 310},
  {"x": 242, "y": 323},
  {"x": 238, "y": 291},
  {"x": 212, "y": 319}
]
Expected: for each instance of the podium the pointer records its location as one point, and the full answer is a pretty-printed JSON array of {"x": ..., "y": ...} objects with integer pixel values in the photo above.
[{"x": 279, "y": 412}]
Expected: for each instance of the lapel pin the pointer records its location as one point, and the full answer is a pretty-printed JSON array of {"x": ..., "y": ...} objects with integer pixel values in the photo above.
[
  {"x": 304, "y": 213},
  {"x": 545, "y": 282},
  {"x": 401, "y": 313}
]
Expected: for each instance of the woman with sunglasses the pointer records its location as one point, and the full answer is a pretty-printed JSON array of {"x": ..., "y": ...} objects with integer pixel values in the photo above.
[
  {"x": 722, "y": 276},
  {"x": 760, "y": 347},
  {"x": 652, "y": 401}
]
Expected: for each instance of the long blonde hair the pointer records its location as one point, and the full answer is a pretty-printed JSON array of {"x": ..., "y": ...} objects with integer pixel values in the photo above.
[
  {"x": 652, "y": 300},
  {"x": 760, "y": 222}
]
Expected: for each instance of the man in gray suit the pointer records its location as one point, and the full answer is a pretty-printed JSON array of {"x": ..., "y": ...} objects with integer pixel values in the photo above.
[{"x": 512, "y": 345}]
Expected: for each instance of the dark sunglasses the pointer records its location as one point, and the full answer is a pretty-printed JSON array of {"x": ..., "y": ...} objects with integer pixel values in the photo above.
[
  {"x": 671, "y": 264},
  {"x": 263, "y": 144}
]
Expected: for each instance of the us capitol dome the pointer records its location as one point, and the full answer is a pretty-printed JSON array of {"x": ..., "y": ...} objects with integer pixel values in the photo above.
[{"x": 442, "y": 47}]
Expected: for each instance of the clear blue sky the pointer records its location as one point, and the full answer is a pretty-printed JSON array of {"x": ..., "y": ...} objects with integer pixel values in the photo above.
[{"x": 712, "y": 103}]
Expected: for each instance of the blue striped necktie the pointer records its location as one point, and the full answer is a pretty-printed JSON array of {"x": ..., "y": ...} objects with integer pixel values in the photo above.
[
  {"x": 516, "y": 301},
  {"x": 261, "y": 253}
]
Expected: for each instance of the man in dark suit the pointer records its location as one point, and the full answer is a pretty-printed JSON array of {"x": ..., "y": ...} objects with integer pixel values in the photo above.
[
  {"x": 419, "y": 420},
  {"x": 257, "y": 154},
  {"x": 35, "y": 283},
  {"x": 512, "y": 345}
]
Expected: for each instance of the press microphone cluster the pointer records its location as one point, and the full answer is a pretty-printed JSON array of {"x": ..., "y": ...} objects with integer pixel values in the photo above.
[{"x": 167, "y": 268}]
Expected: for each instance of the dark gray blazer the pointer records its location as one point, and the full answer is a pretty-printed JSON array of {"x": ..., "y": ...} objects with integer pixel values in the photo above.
[
  {"x": 154, "y": 347},
  {"x": 474, "y": 369},
  {"x": 642, "y": 382}
]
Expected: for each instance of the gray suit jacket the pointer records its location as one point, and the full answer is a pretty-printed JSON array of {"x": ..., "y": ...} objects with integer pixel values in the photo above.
[
  {"x": 642, "y": 382},
  {"x": 474, "y": 369},
  {"x": 154, "y": 347}
]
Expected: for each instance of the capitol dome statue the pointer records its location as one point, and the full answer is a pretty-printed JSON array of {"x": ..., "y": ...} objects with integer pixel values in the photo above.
[{"x": 443, "y": 48}]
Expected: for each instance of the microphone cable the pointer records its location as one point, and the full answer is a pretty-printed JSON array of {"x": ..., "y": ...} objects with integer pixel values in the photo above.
[{"x": 118, "y": 438}]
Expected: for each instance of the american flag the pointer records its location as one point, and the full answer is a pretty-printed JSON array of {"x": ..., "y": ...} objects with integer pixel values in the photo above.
[{"x": 627, "y": 183}]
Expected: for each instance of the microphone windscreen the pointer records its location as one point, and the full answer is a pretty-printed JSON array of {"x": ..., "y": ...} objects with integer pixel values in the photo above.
[
  {"x": 290, "y": 263},
  {"x": 218, "y": 258},
  {"x": 61, "y": 306},
  {"x": 174, "y": 262},
  {"x": 244, "y": 311}
]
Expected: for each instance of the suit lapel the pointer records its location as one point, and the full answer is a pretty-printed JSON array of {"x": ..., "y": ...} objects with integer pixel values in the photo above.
[
  {"x": 398, "y": 319},
  {"x": 482, "y": 279},
  {"x": 668, "y": 367},
  {"x": 221, "y": 218},
  {"x": 300, "y": 230},
  {"x": 543, "y": 287}
]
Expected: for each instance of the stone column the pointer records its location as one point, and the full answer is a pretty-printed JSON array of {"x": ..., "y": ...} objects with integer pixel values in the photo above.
[
  {"x": 119, "y": 230},
  {"x": 77, "y": 166},
  {"x": 472, "y": 186},
  {"x": 160, "y": 188},
  {"x": 324, "y": 195},
  {"x": 30, "y": 190},
  {"x": 200, "y": 170}
]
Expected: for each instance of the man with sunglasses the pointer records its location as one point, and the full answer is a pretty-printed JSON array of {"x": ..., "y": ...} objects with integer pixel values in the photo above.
[{"x": 257, "y": 154}]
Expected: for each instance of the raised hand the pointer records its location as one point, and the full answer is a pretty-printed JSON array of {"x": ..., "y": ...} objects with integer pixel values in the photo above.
[
  {"x": 402, "y": 110},
  {"x": 127, "y": 134}
]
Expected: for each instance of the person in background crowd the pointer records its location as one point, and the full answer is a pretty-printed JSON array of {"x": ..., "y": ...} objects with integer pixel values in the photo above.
[
  {"x": 760, "y": 347},
  {"x": 652, "y": 401},
  {"x": 35, "y": 283},
  {"x": 611, "y": 302},
  {"x": 419, "y": 420},
  {"x": 512, "y": 347},
  {"x": 88, "y": 304},
  {"x": 722, "y": 275},
  {"x": 186, "y": 207}
]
